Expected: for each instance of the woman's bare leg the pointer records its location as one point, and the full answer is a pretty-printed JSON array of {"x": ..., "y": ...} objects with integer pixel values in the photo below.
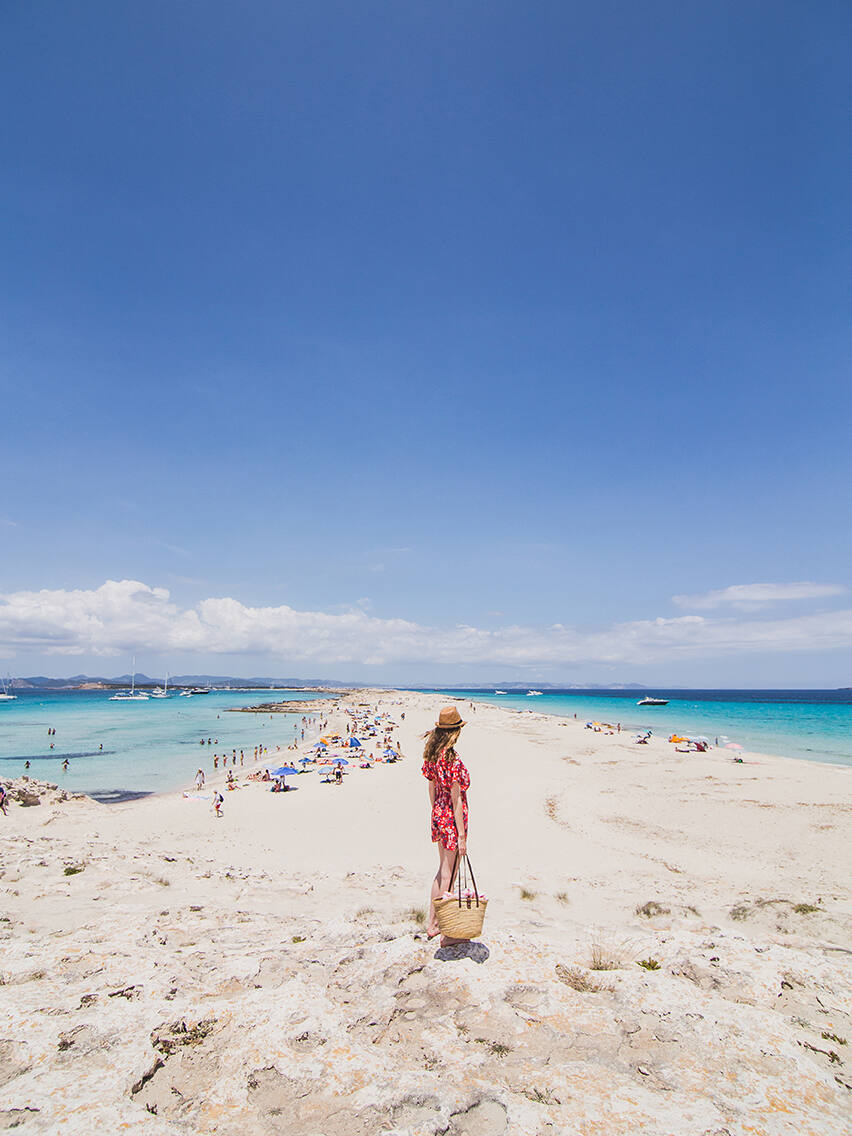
[{"x": 440, "y": 884}]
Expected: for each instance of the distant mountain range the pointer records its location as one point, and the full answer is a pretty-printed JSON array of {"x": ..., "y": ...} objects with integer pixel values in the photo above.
[
  {"x": 74, "y": 682},
  {"x": 42, "y": 682}
]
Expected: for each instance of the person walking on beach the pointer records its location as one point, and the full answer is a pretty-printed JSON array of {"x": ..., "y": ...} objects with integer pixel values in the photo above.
[
  {"x": 199, "y": 779},
  {"x": 449, "y": 781},
  {"x": 218, "y": 801}
]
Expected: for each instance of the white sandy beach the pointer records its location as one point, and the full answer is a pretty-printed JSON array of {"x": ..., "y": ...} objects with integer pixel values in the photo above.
[{"x": 259, "y": 973}]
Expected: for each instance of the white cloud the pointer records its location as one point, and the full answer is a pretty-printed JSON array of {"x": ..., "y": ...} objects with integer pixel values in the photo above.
[
  {"x": 753, "y": 597},
  {"x": 120, "y": 618}
]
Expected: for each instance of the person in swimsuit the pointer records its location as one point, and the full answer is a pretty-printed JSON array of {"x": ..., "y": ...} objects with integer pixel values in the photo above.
[{"x": 449, "y": 781}]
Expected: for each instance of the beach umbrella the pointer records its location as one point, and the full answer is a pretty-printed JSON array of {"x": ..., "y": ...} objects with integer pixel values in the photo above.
[
  {"x": 354, "y": 743},
  {"x": 339, "y": 761},
  {"x": 284, "y": 771},
  {"x": 305, "y": 760},
  {"x": 390, "y": 753}
]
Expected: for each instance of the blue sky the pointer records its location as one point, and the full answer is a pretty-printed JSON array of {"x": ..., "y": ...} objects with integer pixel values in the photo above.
[{"x": 370, "y": 323}]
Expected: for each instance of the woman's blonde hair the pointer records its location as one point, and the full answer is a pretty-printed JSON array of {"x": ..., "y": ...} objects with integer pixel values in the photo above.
[{"x": 439, "y": 741}]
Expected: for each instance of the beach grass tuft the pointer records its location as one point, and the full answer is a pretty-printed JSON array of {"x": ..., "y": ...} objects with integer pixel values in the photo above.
[
  {"x": 363, "y": 912},
  {"x": 72, "y": 869},
  {"x": 649, "y": 963},
  {"x": 805, "y": 908},
  {"x": 541, "y": 1096},
  {"x": 298, "y": 939},
  {"x": 562, "y": 897},
  {"x": 415, "y": 914},
  {"x": 652, "y": 909},
  {"x": 526, "y": 893},
  {"x": 826, "y": 1036},
  {"x": 577, "y": 979},
  {"x": 606, "y": 955}
]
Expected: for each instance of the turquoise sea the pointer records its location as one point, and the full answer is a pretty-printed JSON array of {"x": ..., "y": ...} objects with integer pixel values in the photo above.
[
  {"x": 812, "y": 724},
  {"x": 151, "y": 746}
]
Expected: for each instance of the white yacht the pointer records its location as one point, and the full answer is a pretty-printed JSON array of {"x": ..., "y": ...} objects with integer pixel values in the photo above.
[
  {"x": 499, "y": 691},
  {"x": 533, "y": 693},
  {"x": 653, "y": 702},
  {"x": 132, "y": 695},
  {"x": 161, "y": 691},
  {"x": 6, "y": 696}
]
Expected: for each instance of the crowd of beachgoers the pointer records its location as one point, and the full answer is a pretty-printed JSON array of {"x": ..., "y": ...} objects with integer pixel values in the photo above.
[{"x": 365, "y": 739}]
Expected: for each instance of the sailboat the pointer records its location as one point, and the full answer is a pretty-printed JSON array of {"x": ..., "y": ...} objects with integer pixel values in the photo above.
[
  {"x": 6, "y": 696},
  {"x": 161, "y": 691},
  {"x": 132, "y": 695}
]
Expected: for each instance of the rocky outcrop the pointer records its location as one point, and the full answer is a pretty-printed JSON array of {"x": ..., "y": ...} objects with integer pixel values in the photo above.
[
  {"x": 26, "y": 791},
  {"x": 217, "y": 1016}
]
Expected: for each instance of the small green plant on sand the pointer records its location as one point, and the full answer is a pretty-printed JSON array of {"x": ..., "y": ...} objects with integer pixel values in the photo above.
[
  {"x": 649, "y": 963},
  {"x": 826, "y": 1036},
  {"x": 416, "y": 914},
  {"x": 527, "y": 894},
  {"x": 562, "y": 897},
  {"x": 298, "y": 939},
  {"x": 804, "y": 908},
  {"x": 72, "y": 869},
  {"x": 739, "y": 912},
  {"x": 496, "y": 1047},
  {"x": 652, "y": 909}
]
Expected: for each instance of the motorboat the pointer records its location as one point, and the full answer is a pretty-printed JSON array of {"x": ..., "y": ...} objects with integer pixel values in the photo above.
[
  {"x": 500, "y": 692},
  {"x": 533, "y": 693},
  {"x": 653, "y": 702},
  {"x": 6, "y": 696},
  {"x": 132, "y": 695}
]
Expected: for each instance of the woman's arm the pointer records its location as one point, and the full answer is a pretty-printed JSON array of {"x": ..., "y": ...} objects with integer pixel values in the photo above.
[
  {"x": 431, "y": 785},
  {"x": 458, "y": 813}
]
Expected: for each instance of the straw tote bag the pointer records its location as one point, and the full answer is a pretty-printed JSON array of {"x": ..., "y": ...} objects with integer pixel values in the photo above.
[{"x": 461, "y": 916}]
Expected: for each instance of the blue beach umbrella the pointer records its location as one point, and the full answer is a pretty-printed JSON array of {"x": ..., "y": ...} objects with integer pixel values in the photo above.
[
  {"x": 305, "y": 760},
  {"x": 340, "y": 761},
  {"x": 284, "y": 771},
  {"x": 390, "y": 753},
  {"x": 354, "y": 743}
]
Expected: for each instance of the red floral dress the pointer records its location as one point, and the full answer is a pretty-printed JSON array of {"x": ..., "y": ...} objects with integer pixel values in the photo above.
[{"x": 447, "y": 769}]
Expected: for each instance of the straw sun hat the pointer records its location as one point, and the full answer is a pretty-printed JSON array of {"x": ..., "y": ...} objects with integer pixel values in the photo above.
[{"x": 450, "y": 719}]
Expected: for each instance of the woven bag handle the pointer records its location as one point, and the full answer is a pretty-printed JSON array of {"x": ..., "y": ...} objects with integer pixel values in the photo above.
[{"x": 467, "y": 868}]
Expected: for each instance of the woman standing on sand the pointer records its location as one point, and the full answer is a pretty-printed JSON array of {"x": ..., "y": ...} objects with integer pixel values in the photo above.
[{"x": 448, "y": 784}]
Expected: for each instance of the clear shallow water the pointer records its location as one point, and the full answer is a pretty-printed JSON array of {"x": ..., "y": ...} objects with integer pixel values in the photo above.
[
  {"x": 812, "y": 724},
  {"x": 149, "y": 746}
]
